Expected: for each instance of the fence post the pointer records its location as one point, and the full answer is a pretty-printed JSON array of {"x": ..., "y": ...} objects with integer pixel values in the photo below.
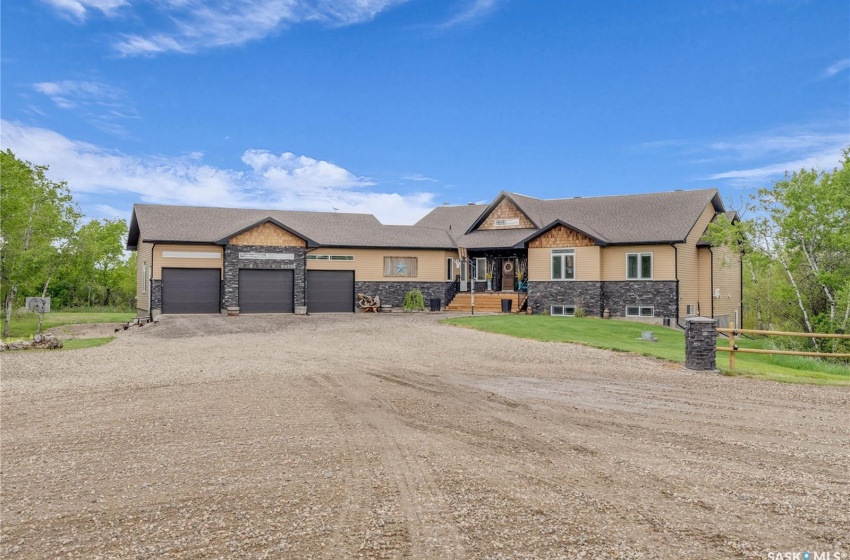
[{"x": 700, "y": 342}]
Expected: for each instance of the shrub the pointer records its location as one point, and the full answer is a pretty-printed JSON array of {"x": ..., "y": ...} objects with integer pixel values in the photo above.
[
  {"x": 413, "y": 301},
  {"x": 579, "y": 312}
]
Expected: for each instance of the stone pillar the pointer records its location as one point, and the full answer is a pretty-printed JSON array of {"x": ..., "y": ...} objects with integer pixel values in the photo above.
[{"x": 700, "y": 343}]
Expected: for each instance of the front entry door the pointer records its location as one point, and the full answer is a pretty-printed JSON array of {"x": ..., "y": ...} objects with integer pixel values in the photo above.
[
  {"x": 464, "y": 284},
  {"x": 508, "y": 273}
]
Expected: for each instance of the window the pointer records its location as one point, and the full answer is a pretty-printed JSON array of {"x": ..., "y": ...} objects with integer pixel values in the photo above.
[
  {"x": 145, "y": 278},
  {"x": 400, "y": 266},
  {"x": 481, "y": 269},
  {"x": 563, "y": 264},
  {"x": 639, "y": 266},
  {"x": 564, "y": 310},
  {"x": 691, "y": 309},
  {"x": 450, "y": 269},
  {"x": 640, "y": 311},
  {"x": 330, "y": 257}
]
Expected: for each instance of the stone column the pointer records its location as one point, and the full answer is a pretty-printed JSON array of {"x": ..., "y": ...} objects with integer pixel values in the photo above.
[{"x": 700, "y": 343}]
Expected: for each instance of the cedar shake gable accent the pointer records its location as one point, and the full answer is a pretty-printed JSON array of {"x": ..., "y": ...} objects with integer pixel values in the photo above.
[
  {"x": 264, "y": 233},
  {"x": 561, "y": 234},
  {"x": 512, "y": 207}
]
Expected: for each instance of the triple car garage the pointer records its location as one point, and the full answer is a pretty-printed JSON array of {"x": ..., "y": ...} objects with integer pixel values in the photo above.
[{"x": 198, "y": 290}]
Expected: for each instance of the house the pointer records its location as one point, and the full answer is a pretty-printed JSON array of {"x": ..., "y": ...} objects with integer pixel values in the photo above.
[{"x": 641, "y": 257}]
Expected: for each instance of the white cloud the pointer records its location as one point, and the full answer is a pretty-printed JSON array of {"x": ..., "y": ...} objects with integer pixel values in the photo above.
[
  {"x": 824, "y": 160},
  {"x": 474, "y": 10},
  {"x": 285, "y": 181},
  {"x": 79, "y": 9},
  {"x": 219, "y": 23},
  {"x": 835, "y": 68},
  {"x": 103, "y": 105},
  {"x": 779, "y": 142}
]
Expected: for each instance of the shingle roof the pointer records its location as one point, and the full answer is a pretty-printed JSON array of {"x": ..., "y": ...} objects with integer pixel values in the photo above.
[
  {"x": 666, "y": 217},
  {"x": 637, "y": 218},
  {"x": 193, "y": 224}
]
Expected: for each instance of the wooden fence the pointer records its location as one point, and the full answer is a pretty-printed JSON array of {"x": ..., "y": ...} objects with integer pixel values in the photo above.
[{"x": 733, "y": 348}]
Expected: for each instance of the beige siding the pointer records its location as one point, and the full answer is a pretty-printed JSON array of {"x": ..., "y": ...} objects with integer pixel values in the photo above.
[
  {"x": 268, "y": 235},
  {"x": 506, "y": 210},
  {"x": 160, "y": 261},
  {"x": 143, "y": 259},
  {"x": 705, "y": 289},
  {"x": 689, "y": 270},
  {"x": 368, "y": 264},
  {"x": 614, "y": 261},
  {"x": 587, "y": 264},
  {"x": 727, "y": 279}
]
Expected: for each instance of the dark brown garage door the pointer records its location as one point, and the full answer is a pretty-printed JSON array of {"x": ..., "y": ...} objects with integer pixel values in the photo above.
[
  {"x": 190, "y": 290},
  {"x": 266, "y": 291},
  {"x": 330, "y": 291}
]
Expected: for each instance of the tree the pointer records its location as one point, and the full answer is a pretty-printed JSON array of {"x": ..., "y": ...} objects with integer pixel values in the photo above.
[
  {"x": 801, "y": 226},
  {"x": 96, "y": 267},
  {"x": 37, "y": 219}
]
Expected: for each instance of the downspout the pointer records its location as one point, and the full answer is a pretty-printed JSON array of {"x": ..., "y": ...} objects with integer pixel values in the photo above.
[
  {"x": 740, "y": 324},
  {"x": 676, "y": 275},
  {"x": 711, "y": 279},
  {"x": 150, "y": 286}
]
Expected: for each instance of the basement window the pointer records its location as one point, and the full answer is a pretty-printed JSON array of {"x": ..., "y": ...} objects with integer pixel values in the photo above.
[
  {"x": 640, "y": 311},
  {"x": 563, "y": 310}
]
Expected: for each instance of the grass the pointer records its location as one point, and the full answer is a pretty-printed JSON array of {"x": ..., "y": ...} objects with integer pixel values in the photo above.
[
  {"x": 78, "y": 343},
  {"x": 625, "y": 336},
  {"x": 23, "y": 325}
]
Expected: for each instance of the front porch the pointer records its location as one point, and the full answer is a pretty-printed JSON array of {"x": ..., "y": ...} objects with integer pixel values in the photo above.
[{"x": 487, "y": 302}]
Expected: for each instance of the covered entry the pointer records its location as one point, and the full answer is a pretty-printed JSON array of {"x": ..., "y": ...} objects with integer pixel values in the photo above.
[
  {"x": 191, "y": 290},
  {"x": 266, "y": 291},
  {"x": 330, "y": 291}
]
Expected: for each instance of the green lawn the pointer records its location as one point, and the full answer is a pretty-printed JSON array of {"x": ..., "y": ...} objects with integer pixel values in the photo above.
[
  {"x": 625, "y": 336},
  {"x": 22, "y": 325}
]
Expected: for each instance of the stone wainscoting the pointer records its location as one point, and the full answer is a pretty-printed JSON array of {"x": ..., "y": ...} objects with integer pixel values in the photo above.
[
  {"x": 587, "y": 295},
  {"x": 156, "y": 297},
  {"x": 392, "y": 293},
  {"x": 661, "y": 294},
  {"x": 594, "y": 297},
  {"x": 232, "y": 264}
]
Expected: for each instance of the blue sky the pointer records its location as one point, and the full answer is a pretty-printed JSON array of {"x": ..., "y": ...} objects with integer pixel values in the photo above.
[{"x": 393, "y": 107}]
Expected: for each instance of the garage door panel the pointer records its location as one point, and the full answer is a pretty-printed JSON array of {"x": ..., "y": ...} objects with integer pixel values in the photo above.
[
  {"x": 191, "y": 290},
  {"x": 266, "y": 291},
  {"x": 330, "y": 291}
]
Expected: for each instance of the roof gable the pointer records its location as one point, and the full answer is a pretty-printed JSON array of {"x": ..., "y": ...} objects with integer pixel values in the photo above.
[
  {"x": 270, "y": 233},
  {"x": 560, "y": 234},
  {"x": 503, "y": 207}
]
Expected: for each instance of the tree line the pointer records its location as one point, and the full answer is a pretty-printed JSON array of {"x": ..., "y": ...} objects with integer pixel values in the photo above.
[
  {"x": 47, "y": 249},
  {"x": 795, "y": 240}
]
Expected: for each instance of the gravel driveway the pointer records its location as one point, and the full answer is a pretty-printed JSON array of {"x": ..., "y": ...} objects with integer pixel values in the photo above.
[{"x": 346, "y": 436}]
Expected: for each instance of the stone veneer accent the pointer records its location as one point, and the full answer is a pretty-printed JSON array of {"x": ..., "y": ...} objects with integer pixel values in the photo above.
[
  {"x": 232, "y": 264},
  {"x": 594, "y": 296},
  {"x": 392, "y": 293},
  {"x": 700, "y": 344},
  {"x": 587, "y": 295},
  {"x": 659, "y": 293},
  {"x": 156, "y": 296}
]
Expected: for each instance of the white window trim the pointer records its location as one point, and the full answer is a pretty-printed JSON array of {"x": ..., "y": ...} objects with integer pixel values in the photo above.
[
  {"x": 562, "y": 251},
  {"x": 651, "y": 266},
  {"x": 480, "y": 271},
  {"x": 145, "y": 278},
  {"x": 450, "y": 269},
  {"x": 640, "y": 310},
  {"x": 330, "y": 257},
  {"x": 564, "y": 307}
]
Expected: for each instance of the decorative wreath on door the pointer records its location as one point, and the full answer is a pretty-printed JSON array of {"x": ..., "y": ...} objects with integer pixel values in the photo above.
[{"x": 509, "y": 266}]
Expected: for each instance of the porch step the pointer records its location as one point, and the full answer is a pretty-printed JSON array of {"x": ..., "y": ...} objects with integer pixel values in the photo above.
[{"x": 484, "y": 302}]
